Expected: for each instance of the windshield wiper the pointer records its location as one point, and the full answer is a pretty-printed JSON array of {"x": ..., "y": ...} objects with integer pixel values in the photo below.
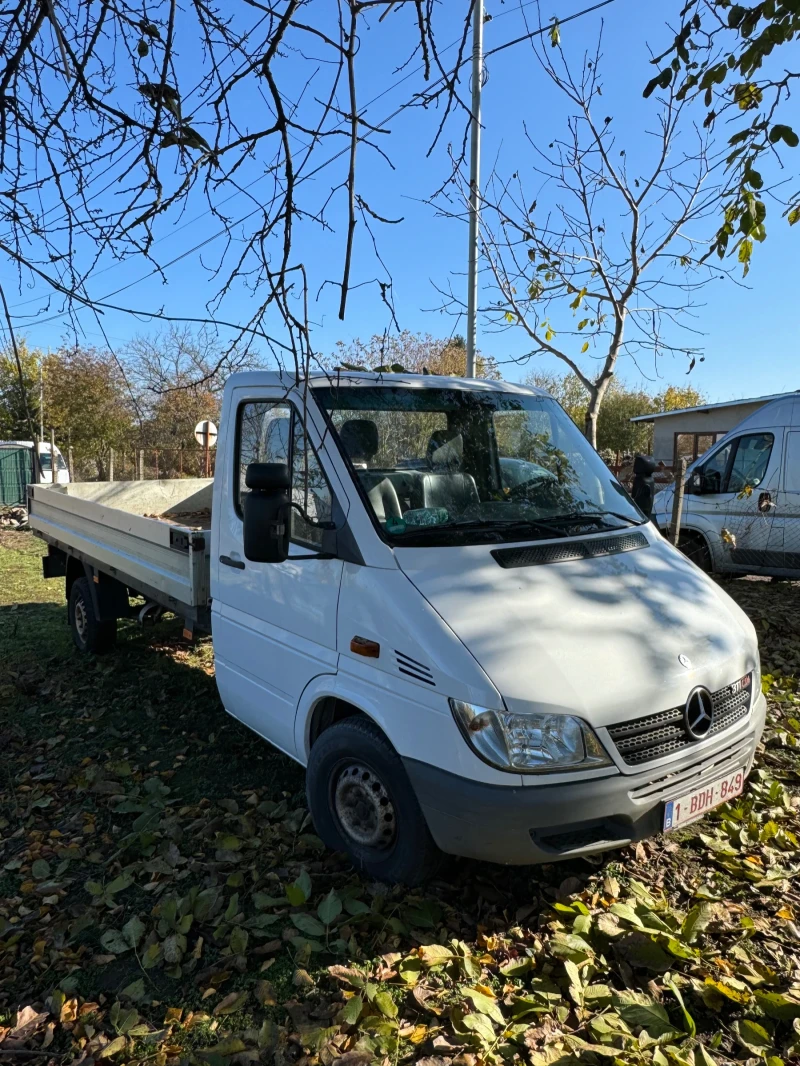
[
  {"x": 590, "y": 516},
  {"x": 491, "y": 525}
]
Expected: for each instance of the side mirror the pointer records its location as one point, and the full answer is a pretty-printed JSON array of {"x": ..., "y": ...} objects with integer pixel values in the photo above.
[
  {"x": 266, "y": 512},
  {"x": 696, "y": 483}
]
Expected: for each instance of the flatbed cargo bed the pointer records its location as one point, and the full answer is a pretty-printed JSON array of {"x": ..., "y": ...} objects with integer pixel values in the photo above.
[{"x": 153, "y": 536}]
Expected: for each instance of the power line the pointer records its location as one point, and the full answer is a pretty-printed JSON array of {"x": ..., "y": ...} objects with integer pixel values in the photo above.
[{"x": 547, "y": 29}]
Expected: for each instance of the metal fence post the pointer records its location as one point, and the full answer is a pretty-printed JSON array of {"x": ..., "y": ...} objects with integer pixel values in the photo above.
[
  {"x": 71, "y": 463},
  {"x": 677, "y": 501},
  {"x": 110, "y": 464},
  {"x": 141, "y": 464}
]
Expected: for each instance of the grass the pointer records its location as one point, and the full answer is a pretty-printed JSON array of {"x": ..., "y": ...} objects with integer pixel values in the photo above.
[{"x": 127, "y": 795}]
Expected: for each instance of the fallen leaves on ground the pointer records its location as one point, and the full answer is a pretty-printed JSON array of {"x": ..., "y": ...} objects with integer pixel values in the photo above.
[{"x": 164, "y": 899}]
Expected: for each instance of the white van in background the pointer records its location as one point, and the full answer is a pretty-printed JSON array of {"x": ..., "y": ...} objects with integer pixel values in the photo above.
[
  {"x": 62, "y": 470},
  {"x": 741, "y": 511}
]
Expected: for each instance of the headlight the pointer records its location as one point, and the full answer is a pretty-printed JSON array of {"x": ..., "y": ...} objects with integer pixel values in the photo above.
[{"x": 529, "y": 743}]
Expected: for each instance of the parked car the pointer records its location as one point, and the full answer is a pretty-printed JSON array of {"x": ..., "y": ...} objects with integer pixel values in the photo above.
[
  {"x": 517, "y": 673},
  {"x": 741, "y": 511},
  {"x": 45, "y": 459}
]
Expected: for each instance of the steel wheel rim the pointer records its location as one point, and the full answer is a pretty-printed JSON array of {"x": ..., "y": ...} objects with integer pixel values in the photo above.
[
  {"x": 364, "y": 807},
  {"x": 81, "y": 619}
]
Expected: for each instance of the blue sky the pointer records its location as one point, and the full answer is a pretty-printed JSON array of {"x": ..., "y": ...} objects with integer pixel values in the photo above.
[{"x": 746, "y": 328}]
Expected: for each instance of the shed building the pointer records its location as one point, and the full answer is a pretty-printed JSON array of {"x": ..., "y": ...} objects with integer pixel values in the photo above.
[{"x": 690, "y": 431}]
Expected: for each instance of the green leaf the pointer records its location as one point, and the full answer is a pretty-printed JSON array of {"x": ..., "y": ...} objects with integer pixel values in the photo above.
[
  {"x": 794, "y": 216},
  {"x": 585, "y": 347},
  {"x": 308, "y": 924},
  {"x": 330, "y": 908},
  {"x": 117, "y": 1045},
  {"x": 640, "y": 1011},
  {"x": 133, "y": 930},
  {"x": 113, "y": 940},
  {"x": 485, "y": 1004},
  {"x": 752, "y": 1036},
  {"x": 135, "y": 990},
  {"x": 351, "y": 1011},
  {"x": 299, "y": 891},
  {"x": 262, "y": 901},
  {"x": 119, "y": 884},
  {"x": 40, "y": 869},
  {"x": 385, "y": 1004},
  {"x": 356, "y": 907},
  {"x": 688, "y": 1020},
  {"x": 481, "y": 1026},
  {"x": 238, "y": 941},
  {"x": 516, "y": 967},
  {"x": 555, "y": 34},
  {"x": 696, "y": 921},
  {"x": 778, "y": 1005}
]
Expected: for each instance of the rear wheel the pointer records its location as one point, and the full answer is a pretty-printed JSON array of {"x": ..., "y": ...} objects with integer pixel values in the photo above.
[
  {"x": 88, "y": 633},
  {"x": 362, "y": 803},
  {"x": 695, "y": 548}
]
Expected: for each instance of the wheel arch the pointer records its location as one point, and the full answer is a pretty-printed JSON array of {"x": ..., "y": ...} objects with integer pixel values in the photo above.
[{"x": 691, "y": 534}]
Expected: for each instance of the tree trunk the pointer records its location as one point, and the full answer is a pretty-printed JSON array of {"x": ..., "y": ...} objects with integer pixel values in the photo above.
[{"x": 590, "y": 420}]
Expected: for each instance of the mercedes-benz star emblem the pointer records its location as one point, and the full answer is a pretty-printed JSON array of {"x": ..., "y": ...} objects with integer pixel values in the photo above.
[
  {"x": 684, "y": 660},
  {"x": 698, "y": 714}
]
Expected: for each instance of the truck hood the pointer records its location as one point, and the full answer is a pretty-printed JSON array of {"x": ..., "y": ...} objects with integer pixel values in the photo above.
[{"x": 598, "y": 637}]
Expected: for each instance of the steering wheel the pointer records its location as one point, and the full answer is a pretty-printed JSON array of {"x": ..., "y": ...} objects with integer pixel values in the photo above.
[{"x": 520, "y": 491}]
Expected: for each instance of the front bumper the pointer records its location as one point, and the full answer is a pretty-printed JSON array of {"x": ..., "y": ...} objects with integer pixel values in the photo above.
[{"x": 545, "y": 823}]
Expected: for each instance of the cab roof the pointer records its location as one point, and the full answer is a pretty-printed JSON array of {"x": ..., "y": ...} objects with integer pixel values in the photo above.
[{"x": 356, "y": 378}]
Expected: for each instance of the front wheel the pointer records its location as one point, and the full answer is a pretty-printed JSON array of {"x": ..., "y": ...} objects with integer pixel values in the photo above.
[
  {"x": 362, "y": 803},
  {"x": 695, "y": 548},
  {"x": 88, "y": 633}
]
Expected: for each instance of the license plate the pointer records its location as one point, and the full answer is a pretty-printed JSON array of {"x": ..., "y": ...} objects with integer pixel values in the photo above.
[{"x": 695, "y": 804}]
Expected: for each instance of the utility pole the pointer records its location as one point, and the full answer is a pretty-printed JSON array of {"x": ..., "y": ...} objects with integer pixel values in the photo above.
[{"x": 474, "y": 186}]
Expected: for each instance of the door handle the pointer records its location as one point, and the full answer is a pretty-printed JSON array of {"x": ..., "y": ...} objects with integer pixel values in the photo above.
[{"x": 237, "y": 564}]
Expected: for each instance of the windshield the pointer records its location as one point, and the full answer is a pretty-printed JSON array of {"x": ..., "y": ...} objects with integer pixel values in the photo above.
[
  {"x": 445, "y": 466},
  {"x": 44, "y": 459}
]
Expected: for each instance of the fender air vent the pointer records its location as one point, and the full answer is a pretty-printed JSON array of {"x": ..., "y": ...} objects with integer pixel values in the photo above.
[
  {"x": 411, "y": 668},
  {"x": 532, "y": 555}
]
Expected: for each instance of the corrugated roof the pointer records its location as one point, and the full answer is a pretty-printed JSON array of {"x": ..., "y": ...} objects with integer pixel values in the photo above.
[{"x": 711, "y": 406}]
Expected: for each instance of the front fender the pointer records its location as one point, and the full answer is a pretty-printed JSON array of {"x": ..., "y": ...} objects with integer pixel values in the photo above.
[{"x": 418, "y": 724}]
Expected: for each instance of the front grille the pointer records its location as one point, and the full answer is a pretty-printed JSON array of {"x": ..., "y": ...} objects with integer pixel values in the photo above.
[
  {"x": 703, "y": 771},
  {"x": 658, "y": 735},
  {"x": 509, "y": 558}
]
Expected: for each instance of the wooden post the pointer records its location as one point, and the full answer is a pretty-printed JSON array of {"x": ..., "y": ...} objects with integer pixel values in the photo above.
[
  {"x": 70, "y": 463},
  {"x": 141, "y": 464},
  {"x": 53, "y": 463},
  {"x": 677, "y": 501},
  {"x": 155, "y": 453},
  {"x": 122, "y": 461},
  {"x": 180, "y": 461},
  {"x": 110, "y": 464}
]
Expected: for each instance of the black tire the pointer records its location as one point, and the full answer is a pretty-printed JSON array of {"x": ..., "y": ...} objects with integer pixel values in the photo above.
[
  {"x": 363, "y": 804},
  {"x": 696, "y": 549},
  {"x": 88, "y": 634}
]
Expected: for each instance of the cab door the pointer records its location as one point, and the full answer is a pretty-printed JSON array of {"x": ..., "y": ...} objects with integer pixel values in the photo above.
[
  {"x": 274, "y": 623},
  {"x": 784, "y": 544},
  {"x": 734, "y": 505}
]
